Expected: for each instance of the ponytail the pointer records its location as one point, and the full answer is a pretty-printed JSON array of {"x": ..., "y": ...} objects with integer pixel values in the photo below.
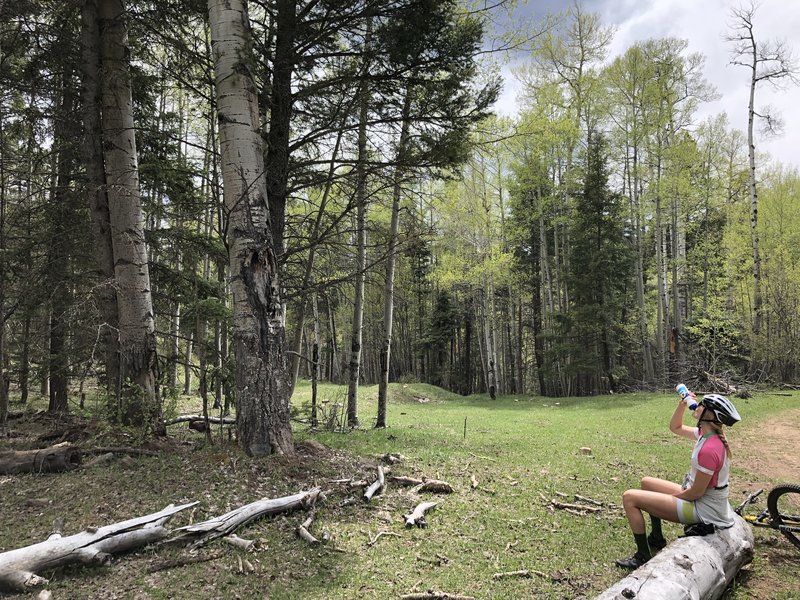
[{"x": 718, "y": 427}]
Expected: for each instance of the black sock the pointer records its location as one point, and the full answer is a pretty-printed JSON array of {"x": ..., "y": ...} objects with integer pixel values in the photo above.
[
  {"x": 656, "y": 533},
  {"x": 641, "y": 544}
]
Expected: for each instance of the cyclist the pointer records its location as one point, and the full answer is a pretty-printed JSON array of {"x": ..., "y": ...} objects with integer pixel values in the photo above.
[{"x": 703, "y": 497}]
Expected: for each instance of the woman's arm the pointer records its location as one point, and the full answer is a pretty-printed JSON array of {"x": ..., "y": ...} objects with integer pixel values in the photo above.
[
  {"x": 699, "y": 487},
  {"x": 676, "y": 425}
]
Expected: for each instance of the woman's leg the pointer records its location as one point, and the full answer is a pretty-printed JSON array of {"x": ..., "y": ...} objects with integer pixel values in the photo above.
[
  {"x": 657, "y": 504},
  {"x": 656, "y": 538}
]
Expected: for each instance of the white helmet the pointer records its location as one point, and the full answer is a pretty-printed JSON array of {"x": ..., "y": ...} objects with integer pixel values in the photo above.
[{"x": 723, "y": 409}]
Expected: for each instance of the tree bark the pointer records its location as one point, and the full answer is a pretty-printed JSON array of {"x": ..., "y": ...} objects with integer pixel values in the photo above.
[
  {"x": 138, "y": 367},
  {"x": 361, "y": 233},
  {"x": 262, "y": 375},
  {"x": 58, "y": 458},
  {"x": 93, "y": 546},
  {"x": 391, "y": 259}
]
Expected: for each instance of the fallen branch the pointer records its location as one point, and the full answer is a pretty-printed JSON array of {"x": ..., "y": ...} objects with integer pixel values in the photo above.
[
  {"x": 377, "y": 485},
  {"x": 123, "y": 450},
  {"x": 523, "y": 573},
  {"x": 379, "y": 535},
  {"x": 435, "y": 486},
  {"x": 580, "y": 498},
  {"x": 192, "y": 418},
  {"x": 580, "y": 508},
  {"x": 182, "y": 562},
  {"x": 205, "y": 531},
  {"x": 55, "y": 459},
  {"x": 94, "y": 546},
  {"x": 236, "y": 541},
  {"x": 405, "y": 481},
  {"x": 304, "y": 530},
  {"x": 417, "y": 516},
  {"x": 431, "y": 595}
]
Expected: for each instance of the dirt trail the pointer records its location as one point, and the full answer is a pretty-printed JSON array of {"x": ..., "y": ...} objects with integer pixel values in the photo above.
[{"x": 772, "y": 450}]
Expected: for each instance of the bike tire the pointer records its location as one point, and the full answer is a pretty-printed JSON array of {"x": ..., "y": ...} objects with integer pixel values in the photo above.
[{"x": 780, "y": 501}]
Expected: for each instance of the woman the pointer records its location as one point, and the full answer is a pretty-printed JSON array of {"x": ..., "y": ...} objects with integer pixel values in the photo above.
[{"x": 703, "y": 498}]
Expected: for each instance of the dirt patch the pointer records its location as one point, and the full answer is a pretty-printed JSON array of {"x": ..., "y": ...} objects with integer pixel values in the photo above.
[{"x": 772, "y": 450}]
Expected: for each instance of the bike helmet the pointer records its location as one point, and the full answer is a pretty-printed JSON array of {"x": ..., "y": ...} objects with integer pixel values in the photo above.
[{"x": 723, "y": 409}]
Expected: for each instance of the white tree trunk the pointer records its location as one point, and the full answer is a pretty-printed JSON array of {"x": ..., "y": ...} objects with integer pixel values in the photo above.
[
  {"x": 262, "y": 377},
  {"x": 136, "y": 321},
  {"x": 690, "y": 567}
]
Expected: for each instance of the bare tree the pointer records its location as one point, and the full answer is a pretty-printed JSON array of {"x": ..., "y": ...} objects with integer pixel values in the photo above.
[{"x": 770, "y": 62}]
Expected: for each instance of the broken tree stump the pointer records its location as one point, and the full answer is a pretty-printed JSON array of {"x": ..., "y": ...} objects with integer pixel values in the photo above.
[
  {"x": 690, "y": 567},
  {"x": 18, "y": 567},
  {"x": 55, "y": 459}
]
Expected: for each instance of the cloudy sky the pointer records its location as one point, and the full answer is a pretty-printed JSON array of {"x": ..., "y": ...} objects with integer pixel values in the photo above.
[{"x": 704, "y": 23}]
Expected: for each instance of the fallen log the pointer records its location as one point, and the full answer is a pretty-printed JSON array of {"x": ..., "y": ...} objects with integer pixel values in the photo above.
[
  {"x": 18, "y": 567},
  {"x": 435, "y": 486},
  {"x": 224, "y": 525},
  {"x": 417, "y": 516},
  {"x": 690, "y": 567},
  {"x": 55, "y": 459}
]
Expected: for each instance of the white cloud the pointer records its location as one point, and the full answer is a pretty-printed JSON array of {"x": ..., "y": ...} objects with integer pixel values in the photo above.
[{"x": 704, "y": 23}]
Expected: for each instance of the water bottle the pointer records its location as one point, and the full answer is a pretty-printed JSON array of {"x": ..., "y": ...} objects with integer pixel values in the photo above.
[{"x": 684, "y": 393}]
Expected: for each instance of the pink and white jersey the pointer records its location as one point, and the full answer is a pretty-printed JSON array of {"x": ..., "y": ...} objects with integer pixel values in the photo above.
[{"x": 709, "y": 457}]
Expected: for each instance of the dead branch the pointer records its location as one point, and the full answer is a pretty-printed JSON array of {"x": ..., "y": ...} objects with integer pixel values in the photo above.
[
  {"x": 205, "y": 531},
  {"x": 191, "y": 418},
  {"x": 435, "y": 486},
  {"x": 523, "y": 574},
  {"x": 417, "y": 516},
  {"x": 580, "y": 498},
  {"x": 236, "y": 541},
  {"x": 377, "y": 486},
  {"x": 405, "y": 481},
  {"x": 304, "y": 530},
  {"x": 431, "y": 595},
  {"x": 473, "y": 481},
  {"x": 123, "y": 450},
  {"x": 379, "y": 535},
  {"x": 579, "y": 508},
  {"x": 95, "y": 545}
]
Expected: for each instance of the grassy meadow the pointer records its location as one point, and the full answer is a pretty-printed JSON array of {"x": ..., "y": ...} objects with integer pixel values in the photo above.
[{"x": 522, "y": 451}]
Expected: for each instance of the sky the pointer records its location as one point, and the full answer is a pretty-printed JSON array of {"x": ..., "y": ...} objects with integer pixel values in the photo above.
[{"x": 704, "y": 23}]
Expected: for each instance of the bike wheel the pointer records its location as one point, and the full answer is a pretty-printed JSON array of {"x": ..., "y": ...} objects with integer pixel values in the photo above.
[{"x": 783, "y": 504}]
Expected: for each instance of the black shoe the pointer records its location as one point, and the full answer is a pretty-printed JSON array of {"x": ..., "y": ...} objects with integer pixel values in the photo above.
[
  {"x": 632, "y": 562},
  {"x": 658, "y": 543}
]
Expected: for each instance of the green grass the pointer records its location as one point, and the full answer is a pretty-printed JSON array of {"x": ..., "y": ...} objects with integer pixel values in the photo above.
[{"x": 523, "y": 451}]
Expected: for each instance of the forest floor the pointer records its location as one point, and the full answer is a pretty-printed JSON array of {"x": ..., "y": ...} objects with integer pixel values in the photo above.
[{"x": 507, "y": 459}]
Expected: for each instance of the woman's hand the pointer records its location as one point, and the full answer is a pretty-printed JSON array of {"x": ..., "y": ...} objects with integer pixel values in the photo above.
[{"x": 698, "y": 488}]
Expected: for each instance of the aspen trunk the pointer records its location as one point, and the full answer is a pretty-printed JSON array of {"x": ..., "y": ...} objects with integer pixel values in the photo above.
[
  {"x": 262, "y": 377},
  {"x": 138, "y": 367}
]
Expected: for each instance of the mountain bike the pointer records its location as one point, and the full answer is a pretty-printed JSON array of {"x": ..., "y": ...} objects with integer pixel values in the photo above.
[{"x": 782, "y": 512}]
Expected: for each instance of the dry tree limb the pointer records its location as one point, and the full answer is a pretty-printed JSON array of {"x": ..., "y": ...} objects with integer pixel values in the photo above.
[
  {"x": 580, "y": 498},
  {"x": 575, "y": 507},
  {"x": 123, "y": 450},
  {"x": 379, "y": 535},
  {"x": 304, "y": 530},
  {"x": 473, "y": 481},
  {"x": 431, "y": 595},
  {"x": 191, "y": 418},
  {"x": 417, "y": 516},
  {"x": 523, "y": 573},
  {"x": 235, "y": 540},
  {"x": 180, "y": 562},
  {"x": 223, "y": 525},
  {"x": 95, "y": 545},
  {"x": 377, "y": 485},
  {"x": 435, "y": 486},
  {"x": 405, "y": 481}
]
